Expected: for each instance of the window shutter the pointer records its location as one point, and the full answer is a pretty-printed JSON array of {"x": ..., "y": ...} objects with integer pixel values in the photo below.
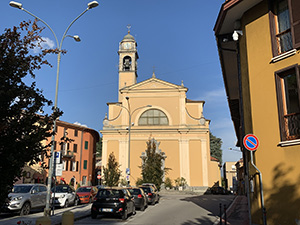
[{"x": 295, "y": 21}]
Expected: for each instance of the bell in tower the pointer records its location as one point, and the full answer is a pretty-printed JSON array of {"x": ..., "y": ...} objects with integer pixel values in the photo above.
[{"x": 126, "y": 63}]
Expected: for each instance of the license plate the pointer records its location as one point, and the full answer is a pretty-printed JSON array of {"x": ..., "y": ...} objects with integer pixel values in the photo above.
[{"x": 106, "y": 210}]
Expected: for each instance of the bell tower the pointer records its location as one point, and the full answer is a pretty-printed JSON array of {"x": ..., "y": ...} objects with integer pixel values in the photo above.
[{"x": 127, "y": 61}]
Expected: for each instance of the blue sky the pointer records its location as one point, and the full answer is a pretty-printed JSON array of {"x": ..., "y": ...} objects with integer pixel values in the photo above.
[{"x": 174, "y": 36}]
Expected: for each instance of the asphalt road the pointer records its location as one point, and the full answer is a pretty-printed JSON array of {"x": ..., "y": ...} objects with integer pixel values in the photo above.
[{"x": 172, "y": 209}]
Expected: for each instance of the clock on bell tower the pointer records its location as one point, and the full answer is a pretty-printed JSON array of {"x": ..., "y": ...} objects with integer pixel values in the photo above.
[{"x": 127, "y": 61}]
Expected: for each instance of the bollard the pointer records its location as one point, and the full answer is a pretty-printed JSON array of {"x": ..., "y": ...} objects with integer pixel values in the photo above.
[
  {"x": 67, "y": 218},
  {"x": 225, "y": 216},
  {"x": 44, "y": 220},
  {"x": 220, "y": 213}
]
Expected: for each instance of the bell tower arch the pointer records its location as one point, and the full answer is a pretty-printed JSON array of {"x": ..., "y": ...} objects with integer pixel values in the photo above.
[{"x": 127, "y": 61}]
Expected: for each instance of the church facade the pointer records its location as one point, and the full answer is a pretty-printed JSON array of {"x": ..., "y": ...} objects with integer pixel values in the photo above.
[{"x": 156, "y": 110}]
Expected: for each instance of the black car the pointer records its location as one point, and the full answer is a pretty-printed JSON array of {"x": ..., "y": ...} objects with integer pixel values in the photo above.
[
  {"x": 218, "y": 190},
  {"x": 113, "y": 201},
  {"x": 140, "y": 198},
  {"x": 152, "y": 194}
]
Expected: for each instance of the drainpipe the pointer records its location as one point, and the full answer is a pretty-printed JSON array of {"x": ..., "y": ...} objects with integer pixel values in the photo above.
[
  {"x": 80, "y": 161},
  {"x": 242, "y": 130},
  {"x": 261, "y": 192}
]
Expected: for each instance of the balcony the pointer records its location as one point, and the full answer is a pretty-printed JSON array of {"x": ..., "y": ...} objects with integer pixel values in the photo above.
[{"x": 68, "y": 154}]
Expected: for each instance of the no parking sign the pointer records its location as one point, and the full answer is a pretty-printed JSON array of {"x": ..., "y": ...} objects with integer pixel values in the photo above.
[{"x": 251, "y": 142}]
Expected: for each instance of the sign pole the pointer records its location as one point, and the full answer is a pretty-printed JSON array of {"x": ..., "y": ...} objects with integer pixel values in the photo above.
[{"x": 251, "y": 144}]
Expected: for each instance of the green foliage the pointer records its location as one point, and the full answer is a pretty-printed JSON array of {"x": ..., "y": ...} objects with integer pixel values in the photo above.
[
  {"x": 139, "y": 181},
  {"x": 152, "y": 171},
  {"x": 123, "y": 182},
  {"x": 168, "y": 183},
  {"x": 99, "y": 148},
  {"x": 180, "y": 182},
  {"x": 215, "y": 147},
  {"x": 22, "y": 131},
  {"x": 112, "y": 171}
]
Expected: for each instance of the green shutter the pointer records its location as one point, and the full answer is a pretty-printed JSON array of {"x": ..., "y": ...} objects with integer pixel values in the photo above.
[
  {"x": 85, "y": 164},
  {"x": 86, "y": 145}
]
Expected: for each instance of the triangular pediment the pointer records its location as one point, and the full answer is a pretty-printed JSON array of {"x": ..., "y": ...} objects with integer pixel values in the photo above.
[{"x": 155, "y": 85}]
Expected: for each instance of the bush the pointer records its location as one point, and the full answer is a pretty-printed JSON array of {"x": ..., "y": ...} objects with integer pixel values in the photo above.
[
  {"x": 180, "y": 182},
  {"x": 168, "y": 183}
]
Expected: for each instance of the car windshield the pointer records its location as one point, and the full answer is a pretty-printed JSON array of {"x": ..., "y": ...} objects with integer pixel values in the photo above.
[
  {"x": 112, "y": 193},
  {"x": 135, "y": 191},
  {"x": 61, "y": 189},
  {"x": 21, "y": 189},
  {"x": 147, "y": 189},
  {"x": 84, "y": 189}
]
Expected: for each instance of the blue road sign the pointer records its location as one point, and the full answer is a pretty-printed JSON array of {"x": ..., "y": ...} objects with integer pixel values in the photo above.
[{"x": 251, "y": 142}]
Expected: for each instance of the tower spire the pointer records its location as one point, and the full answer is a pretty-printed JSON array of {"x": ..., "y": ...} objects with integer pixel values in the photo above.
[{"x": 128, "y": 27}]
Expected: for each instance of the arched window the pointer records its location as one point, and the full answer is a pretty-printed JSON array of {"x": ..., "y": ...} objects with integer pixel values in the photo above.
[{"x": 153, "y": 117}]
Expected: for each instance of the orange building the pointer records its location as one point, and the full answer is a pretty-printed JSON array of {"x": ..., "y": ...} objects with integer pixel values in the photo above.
[{"x": 77, "y": 156}]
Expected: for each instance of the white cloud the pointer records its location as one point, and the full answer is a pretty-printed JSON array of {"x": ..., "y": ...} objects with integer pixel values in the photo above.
[
  {"x": 79, "y": 124},
  {"x": 213, "y": 96},
  {"x": 46, "y": 44}
]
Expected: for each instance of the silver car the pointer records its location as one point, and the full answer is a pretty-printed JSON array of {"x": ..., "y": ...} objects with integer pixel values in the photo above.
[{"x": 24, "y": 197}]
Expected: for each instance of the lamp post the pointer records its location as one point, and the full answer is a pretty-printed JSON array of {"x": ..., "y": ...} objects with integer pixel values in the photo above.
[
  {"x": 18, "y": 5},
  {"x": 129, "y": 129}
]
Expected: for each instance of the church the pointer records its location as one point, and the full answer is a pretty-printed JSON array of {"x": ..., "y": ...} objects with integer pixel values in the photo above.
[{"x": 159, "y": 111}]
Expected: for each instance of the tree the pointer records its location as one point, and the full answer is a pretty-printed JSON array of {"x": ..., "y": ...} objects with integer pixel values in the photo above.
[
  {"x": 99, "y": 148},
  {"x": 112, "y": 172},
  {"x": 215, "y": 147},
  {"x": 152, "y": 171},
  {"x": 22, "y": 130}
]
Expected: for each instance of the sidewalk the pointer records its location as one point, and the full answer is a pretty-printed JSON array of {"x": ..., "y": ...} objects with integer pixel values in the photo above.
[
  {"x": 80, "y": 212},
  {"x": 237, "y": 213}
]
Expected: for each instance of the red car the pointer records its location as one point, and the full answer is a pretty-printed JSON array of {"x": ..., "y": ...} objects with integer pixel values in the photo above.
[{"x": 86, "y": 194}]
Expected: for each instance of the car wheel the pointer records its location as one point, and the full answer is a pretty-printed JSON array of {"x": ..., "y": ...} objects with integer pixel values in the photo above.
[
  {"x": 66, "y": 204},
  {"x": 124, "y": 215},
  {"x": 153, "y": 202},
  {"x": 25, "y": 209},
  {"x": 76, "y": 201},
  {"x": 94, "y": 215},
  {"x": 142, "y": 208}
]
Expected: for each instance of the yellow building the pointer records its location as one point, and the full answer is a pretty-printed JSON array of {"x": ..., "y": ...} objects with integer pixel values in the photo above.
[
  {"x": 159, "y": 110},
  {"x": 258, "y": 42}
]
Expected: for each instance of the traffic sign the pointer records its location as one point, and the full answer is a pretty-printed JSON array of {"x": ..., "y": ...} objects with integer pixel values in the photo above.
[
  {"x": 251, "y": 142},
  {"x": 98, "y": 177},
  {"x": 57, "y": 157}
]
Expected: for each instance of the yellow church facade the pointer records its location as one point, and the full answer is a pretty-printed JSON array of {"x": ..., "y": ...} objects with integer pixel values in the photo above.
[{"x": 156, "y": 110}]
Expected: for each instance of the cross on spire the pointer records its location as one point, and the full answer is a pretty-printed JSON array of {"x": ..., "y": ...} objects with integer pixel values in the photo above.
[
  {"x": 128, "y": 27},
  {"x": 153, "y": 74}
]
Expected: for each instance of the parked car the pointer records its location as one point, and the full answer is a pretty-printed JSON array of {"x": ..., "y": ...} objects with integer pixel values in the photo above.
[
  {"x": 218, "y": 190},
  {"x": 140, "y": 198},
  {"x": 152, "y": 194},
  {"x": 64, "y": 196},
  {"x": 113, "y": 201},
  {"x": 150, "y": 184},
  {"x": 86, "y": 194},
  {"x": 25, "y": 197}
]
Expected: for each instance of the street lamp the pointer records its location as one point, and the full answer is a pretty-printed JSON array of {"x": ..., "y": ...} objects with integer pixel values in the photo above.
[
  {"x": 105, "y": 122},
  {"x": 18, "y": 5}
]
